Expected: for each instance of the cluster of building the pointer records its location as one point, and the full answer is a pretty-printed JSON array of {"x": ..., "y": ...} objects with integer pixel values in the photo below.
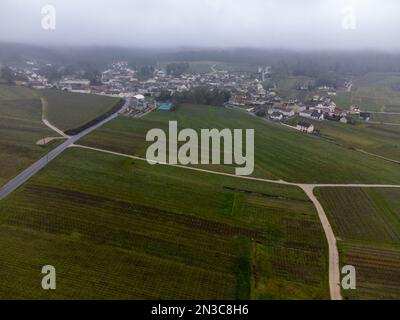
[
  {"x": 120, "y": 80},
  {"x": 319, "y": 108},
  {"x": 29, "y": 76},
  {"x": 246, "y": 90}
]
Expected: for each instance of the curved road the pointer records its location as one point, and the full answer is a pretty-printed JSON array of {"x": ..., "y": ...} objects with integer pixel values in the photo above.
[{"x": 334, "y": 266}]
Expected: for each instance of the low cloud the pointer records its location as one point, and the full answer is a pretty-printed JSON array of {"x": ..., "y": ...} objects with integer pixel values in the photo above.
[{"x": 308, "y": 24}]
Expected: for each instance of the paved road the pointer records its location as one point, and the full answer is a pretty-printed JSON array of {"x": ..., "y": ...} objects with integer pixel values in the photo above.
[{"x": 33, "y": 169}]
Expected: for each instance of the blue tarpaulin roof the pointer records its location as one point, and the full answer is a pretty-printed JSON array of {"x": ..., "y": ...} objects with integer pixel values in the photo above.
[{"x": 166, "y": 106}]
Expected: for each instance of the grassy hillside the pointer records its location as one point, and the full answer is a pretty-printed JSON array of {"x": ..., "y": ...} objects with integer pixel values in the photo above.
[
  {"x": 374, "y": 92},
  {"x": 288, "y": 87},
  {"x": 71, "y": 110},
  {"x": 367, "y": 223},
  {"x": 280, "y": 153},
  {"x": 383, "y": 140},
  {"x": 118, "y": 228},
  {"x": 386, "y": 118},
  {"x": 20, "y": 129}
]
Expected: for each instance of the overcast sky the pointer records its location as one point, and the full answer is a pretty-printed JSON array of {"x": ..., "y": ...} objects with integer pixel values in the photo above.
[{"x": 296, "y": 24}]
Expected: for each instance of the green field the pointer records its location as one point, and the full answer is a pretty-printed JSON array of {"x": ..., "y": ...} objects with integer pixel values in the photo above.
[
  {"x": 71, "y": 110},
  {"x": 343, "y": 99},
  {"x": 383, "y": 140},
  {"x": 201, "y": 66},
  {"x": 280, "y": 153},
  {"x": 386, "y": 118},
  {"x": 20, "y": 129},
  {"x": 194, "y": 66},
  {"x": 236, "y": 67},
  {"x": 373, "y": 92},
  {"x": 288, "y": 87},
  {"x": 367, "y": 224},
  {"x": 119, "y": 228}
]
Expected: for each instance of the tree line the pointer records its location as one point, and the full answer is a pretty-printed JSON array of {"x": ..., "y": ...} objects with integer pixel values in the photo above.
[{"x": 202, "y": 95}]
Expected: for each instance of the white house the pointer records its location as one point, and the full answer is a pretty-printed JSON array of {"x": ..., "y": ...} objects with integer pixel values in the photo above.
[
  {"x": 354, "y": 109},
  {"x": 286, "y": 112},
  {"x": 139, "y": 97},
  {"x": 316, "y": 115},
  {"x": 305, "y": 127},
  {"x": 75, "y": 85},
  {"x": 276, "y": 116}
]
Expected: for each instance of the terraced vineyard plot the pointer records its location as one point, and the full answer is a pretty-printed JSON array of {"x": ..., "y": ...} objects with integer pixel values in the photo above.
[
  {"x": 344, "y": 99},
  {"x": 367, "y": 222},
  {"x": 8, "y": 92},
  {"x": 378, "y": 275},
  {"x": 382, "y": 140},
  {"x": 386, "y": 117},
  {"x": 280, "y": 153},
  {"x": 371, "y": 104},
  {"x": 288, "y": 87},
  {"x": 20, "y": 129},
  {"x": 392, "y": 108},
  {"x": 142, "y": 219},
  {"x": 356, "y": 215},
  {"x": 71, "y": 110},
  {"x": 375, "y": 92}
]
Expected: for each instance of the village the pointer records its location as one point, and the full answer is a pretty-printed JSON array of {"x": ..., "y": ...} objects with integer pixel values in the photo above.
[
  {"x": 319, "y": 108},
  {"x": 246, "y": 89}
]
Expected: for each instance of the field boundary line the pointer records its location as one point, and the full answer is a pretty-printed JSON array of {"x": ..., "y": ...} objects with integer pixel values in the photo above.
[
  {"x": 282, "y": 182},
  {"x": 383, "y": 112},
  {"x": 182, "y": 166},
  {"x": 334, "y": 266},
  {"x": 46, "y": 122},
  {"x": 378, "y": 156},
  {"x": 384, "y": 123}
]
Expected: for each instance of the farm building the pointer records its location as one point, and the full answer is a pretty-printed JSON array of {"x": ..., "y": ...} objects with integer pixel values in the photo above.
[
  {"x": 276, "y": 116},
  {"x": 75, "y": 85},
  {"x": 287, "y": 112},
  {"x": 305, "y": 127},
  {"x": 316, "y": 115}
]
